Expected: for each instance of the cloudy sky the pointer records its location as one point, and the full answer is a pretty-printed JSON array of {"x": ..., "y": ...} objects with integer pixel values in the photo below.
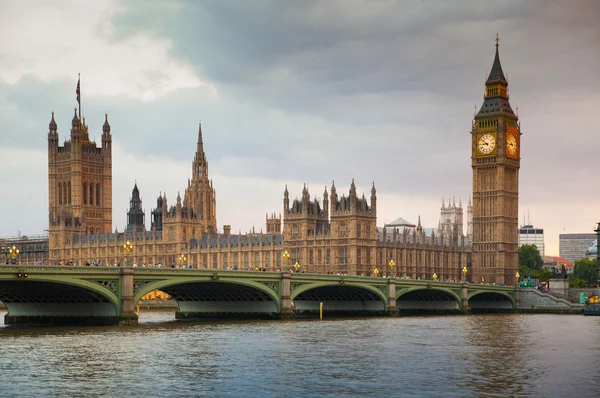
[{"x": 302, "y": 92}]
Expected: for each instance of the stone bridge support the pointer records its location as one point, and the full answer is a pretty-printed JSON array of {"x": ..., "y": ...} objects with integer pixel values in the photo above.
[
  {"x": 391, "y": 305},
  {"x": 465, "y": 296},
  {"x": 287, "y": 311},
  {"x": 128, "y": 315}
]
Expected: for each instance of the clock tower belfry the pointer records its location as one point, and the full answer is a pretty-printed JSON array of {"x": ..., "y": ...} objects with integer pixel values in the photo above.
[{"x": 495, "y": 159}]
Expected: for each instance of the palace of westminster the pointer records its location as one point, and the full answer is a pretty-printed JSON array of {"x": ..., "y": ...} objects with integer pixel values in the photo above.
[{"x": 338, "y": 234}]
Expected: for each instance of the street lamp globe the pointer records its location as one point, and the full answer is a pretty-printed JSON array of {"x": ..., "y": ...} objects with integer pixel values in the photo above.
[{"x": 434, "y": 276}]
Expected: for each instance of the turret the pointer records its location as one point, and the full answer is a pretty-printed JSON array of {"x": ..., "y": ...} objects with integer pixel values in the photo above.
[
  {"x": 325, "y": 204},
  {"x": 305, "y": 199},
  {"x": 106, "y": 137},
  {"x": 334, "y": 198},
  {"x": 75, "y": 132},
  {"x": 286, "y": 201},
  {"x": 52, "y": 135},
  {"x": 352, "y": 196},
  {"x": 373, "y": 199}
]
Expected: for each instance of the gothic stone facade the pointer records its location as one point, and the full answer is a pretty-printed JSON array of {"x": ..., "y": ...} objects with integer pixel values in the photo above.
[
  {"x": 337, "y": 235},
  {"x": 495, "y": 148}
]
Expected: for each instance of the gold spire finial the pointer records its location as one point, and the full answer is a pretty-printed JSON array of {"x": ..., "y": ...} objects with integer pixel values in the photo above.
[
  {"x": 517, "y": 110},
  {"x": 497, "y": 40},
  {"x": 474, "y": 110},
  {"x": 106, "y": 114},
  {"x": 52, "y": 113}
]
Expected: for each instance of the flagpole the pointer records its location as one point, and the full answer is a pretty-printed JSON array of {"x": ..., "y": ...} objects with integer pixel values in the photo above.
[{"x": 79, "y": 86}]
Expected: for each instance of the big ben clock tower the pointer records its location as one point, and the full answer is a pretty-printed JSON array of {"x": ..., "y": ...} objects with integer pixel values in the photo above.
[{"x": 495, "y": 158}]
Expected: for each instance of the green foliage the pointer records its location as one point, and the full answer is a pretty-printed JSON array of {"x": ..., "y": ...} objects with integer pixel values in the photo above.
[
  {"x": 586, "y": 270},
  {"x": 543, "y": 274},
  {"x": 529, "y": 257},
  {"x": 577, "y": 283}
]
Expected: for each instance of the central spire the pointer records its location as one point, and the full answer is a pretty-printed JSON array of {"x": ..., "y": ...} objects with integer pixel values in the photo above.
[
  {"x": 496, "y": 74},
  {"x": 199, "y": 166}
]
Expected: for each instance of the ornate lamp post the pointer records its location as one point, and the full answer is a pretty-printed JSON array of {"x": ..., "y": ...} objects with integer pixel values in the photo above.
[
  {"x": 392, "y": 264},
  {"x": 296, "y": 266},
  {"x": 517, "y": 275},
  {"x": 286, "y": 259},
  {"x": 128, "y": 247},
  {"x": 465, "y": 270},
  {"x": 434, "y": 276},
  {"x": 14, "y": 252},
  {"x": 182, "y": 259},
  {"x": 375, "y": 272}
]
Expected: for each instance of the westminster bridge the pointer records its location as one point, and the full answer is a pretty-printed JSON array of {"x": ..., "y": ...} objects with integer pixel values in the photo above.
[{"x": 99, "y": 295}]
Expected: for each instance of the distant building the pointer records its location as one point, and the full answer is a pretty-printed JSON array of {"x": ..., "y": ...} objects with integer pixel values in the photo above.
[
  {"x": 573, "y": 246},
  {"x": 528, "y": 235},
  {"x": 32, "y": 249},
  {"x": 557, "y": 263}
]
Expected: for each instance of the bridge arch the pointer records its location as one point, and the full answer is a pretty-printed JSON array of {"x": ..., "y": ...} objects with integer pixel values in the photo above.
[
  {"x": 491, "y": 300},
  {"x": 207, "y": 295},
  {"x": 54, "y": 296},
  {"x": 427, "y": 298},
  {"x": 338, "y": 297}
]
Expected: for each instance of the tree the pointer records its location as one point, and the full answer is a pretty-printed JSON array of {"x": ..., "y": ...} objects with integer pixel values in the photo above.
[
  {"x": 529, "y": 257},
  {"x": 586, "y": 269}
]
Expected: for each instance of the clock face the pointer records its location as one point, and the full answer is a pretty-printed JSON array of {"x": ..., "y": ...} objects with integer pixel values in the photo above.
[
  {"x": 486, "y": 144},
  {"x": 511, "y": 145}
]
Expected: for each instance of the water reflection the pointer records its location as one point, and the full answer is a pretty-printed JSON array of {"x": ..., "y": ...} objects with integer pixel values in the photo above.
[{"x": 483, "y": 355}]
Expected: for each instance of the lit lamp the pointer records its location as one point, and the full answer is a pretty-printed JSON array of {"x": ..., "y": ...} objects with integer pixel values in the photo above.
[
  {"x": 14, "y": 252},
  {"x": 517, "y": 275},
  {"x": 392, "y": 264},
  {"x": 182, "y": 259},
  {"x": 296, "y": 266},
  {"x": 375, "y": 272},
  {"x": 434, "y": 276},
  {"x": 465, "y": 270},
  {"x": 128, "y": 247},
  {"x": 286, "y": 258}
]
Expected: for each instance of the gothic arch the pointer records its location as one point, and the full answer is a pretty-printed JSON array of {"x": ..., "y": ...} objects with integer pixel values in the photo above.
[
  {"x": 91, "y": 193},
  {"x": 69, "y": 192},
  {"x": 60, "y": 193},
  {"x": 98, "y": 195},
  {"x": 84, "y": 193}
]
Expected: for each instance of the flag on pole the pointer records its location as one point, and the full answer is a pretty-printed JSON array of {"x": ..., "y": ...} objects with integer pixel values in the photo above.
[{"x": 78, "y": 94}]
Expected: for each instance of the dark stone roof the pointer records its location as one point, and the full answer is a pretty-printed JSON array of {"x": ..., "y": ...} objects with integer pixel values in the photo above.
[
  {"x": 494, "y": 107},
  {"x": 496, "y": 74}
]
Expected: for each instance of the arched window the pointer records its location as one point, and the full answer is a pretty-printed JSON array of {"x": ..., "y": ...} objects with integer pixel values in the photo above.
[
  {"x": 60, "y": 193},
  {"x": 64, "y": 189},
  {"x": 97, "y": 194},
  {"x": 69, "y": 192},
  {"x": 91, "y": 193},
  {"x": 85, "y": 193}
]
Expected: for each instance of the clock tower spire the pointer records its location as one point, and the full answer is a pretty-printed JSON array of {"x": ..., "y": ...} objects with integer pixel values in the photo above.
[{"x": 495, "y": 159}]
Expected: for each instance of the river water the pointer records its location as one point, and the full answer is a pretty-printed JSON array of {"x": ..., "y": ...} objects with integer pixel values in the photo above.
[{"x": 433, "y": 356}]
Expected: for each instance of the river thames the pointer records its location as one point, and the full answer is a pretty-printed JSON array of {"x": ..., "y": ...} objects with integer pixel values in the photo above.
[{"x": 433, "y": 356}]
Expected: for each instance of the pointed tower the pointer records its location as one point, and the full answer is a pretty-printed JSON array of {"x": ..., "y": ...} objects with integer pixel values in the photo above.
[
  {"x": 135, "y": 214},
  {"x": 79, "y": 187},
  {"x": 199, "y": 207},
  {"x": 495, "y": 159}
]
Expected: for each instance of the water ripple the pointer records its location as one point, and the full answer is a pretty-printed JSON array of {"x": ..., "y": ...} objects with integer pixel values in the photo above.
[{"x": 453, "y": 356}]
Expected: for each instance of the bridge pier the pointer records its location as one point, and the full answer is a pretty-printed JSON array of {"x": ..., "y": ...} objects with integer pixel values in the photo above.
[
  {"x": 392, "y": 310},
  {"x": 128, "y": 315},
  {"x": 287, "y": 310},
  {"x": 465, "y": 298}
]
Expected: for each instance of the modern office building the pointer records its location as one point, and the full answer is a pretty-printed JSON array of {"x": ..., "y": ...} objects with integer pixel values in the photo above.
[
  {"x": 573, "y": 246},
  {"x": 529, "y": 235}
]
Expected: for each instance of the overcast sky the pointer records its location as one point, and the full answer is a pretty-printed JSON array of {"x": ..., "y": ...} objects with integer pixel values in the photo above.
[{"x": 302, "y": 92}]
